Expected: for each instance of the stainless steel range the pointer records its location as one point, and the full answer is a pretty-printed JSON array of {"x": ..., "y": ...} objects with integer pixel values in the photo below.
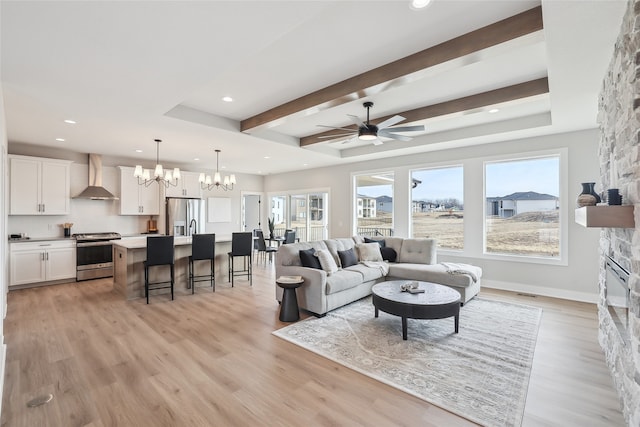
[{"x": 94, "y": 255}]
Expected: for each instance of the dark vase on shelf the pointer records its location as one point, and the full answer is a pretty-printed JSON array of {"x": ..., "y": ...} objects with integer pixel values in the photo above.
[{"x": 588, "y": 197}]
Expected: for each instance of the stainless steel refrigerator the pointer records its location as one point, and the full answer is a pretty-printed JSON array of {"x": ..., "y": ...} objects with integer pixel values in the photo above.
[{"x": 185, "y": 216}]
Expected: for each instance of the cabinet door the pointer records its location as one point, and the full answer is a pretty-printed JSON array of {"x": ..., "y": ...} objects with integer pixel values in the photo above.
[
  {"x": 129, "y": 203},
  {"x": 191, "y": 185},
  {"x": 60, "y": 263},
  {"x": 55, "y": 188},
  {"x": 149, "y": 198},
  {"x": 27, "y": 267},
  {"x": 24, "y": 187},
  {"x": 177, "y": 191}
]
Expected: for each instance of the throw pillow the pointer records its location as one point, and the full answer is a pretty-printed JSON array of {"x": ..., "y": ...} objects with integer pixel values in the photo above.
[
  {"x": 326, "y": 261},
  {"x": 389, "y": 254},
  {"x": 380, "y": 242},
  {"x": 308, "y": 259},
  {"x": 369, "y": 252},
  {"x": 347, "y": 258}
]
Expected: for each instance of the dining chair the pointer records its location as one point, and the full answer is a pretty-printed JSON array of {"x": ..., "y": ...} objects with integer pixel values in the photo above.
[
  {"x": 203, "y": 248},
  {"x": 263, "y": 249},
  {"x": 289, "y": 237},
  {"x": 160, "y": 251},
  {"x": 241, "y": 246}
]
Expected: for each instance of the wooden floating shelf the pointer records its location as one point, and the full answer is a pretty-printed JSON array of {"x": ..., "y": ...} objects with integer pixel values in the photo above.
[{"x": 606, "y": 216}]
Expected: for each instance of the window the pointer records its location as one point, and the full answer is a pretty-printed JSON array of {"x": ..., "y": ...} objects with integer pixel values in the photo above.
[
  {"x": 522, "y": 207},
  {"x": 374, "y": 204},
  {"x": 437, "y": 208},
  {"x": 302, "y": 212}
]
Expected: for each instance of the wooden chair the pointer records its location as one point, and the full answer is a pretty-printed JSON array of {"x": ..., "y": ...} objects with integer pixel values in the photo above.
[
  {"x": 160, "y": 251},
  {"x": 241, "y": 246},
  {"x": 203, "y": 248}
]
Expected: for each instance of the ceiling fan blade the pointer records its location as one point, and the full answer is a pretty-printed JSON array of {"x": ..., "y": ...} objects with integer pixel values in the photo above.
[
  {"x": 377, "y": 141},
  {"x": 394, "y": 136},
  {"x": 390, "y": 122},
  {"x": 417, "y": 128},
  {"x": 333, "y": 127},
  {"x": 338, "y": 135},
  {"x": 356, "y": 120},
  {"x": 350, "y": 140}
]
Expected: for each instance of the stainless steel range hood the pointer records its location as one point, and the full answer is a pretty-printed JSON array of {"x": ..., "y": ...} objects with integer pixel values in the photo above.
[{"x": 95, "y": 190}]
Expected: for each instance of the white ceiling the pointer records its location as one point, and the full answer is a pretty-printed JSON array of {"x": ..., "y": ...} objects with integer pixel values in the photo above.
[{"x": 131, "y": 72}]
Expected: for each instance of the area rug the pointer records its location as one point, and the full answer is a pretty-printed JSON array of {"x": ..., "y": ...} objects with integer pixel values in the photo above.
[{"x": 481, "y": 373}]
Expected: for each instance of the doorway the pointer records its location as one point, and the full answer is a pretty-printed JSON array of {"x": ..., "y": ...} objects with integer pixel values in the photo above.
[{"x": 251, "y": 211}]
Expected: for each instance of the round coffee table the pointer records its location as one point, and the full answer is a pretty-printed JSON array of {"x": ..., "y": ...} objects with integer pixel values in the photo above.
[
  {"x": 289, "y": 306},
  {"x": 437, "y": 302}
]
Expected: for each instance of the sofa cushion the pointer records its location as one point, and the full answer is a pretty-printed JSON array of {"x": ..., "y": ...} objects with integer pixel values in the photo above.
[
  {"x": 348, "y": 258},
  {"x": 378, "y": 241},
  {"x": 369, "y": 252},
  {"x": 389, "y": 254},
  {"x": 358, "y": 239},
  {"x": 418, "y": 251},
  {"x": 341, "y": 244},
  {"x": 326, "y": 261},
  {"x": 308, "y": 258},
  {"x": 394, "y": 242},
  {"x": 368, "y": 273},
  {"x": 436, "y": 273},
  {"x": 342, "y": 280},
  {"x": 290, "y": 254}
]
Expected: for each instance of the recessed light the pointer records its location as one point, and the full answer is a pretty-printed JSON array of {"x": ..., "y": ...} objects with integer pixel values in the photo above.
[
  {"x": 196, "y": 159},
  {"x": 419, "y": 4},
  {"x": 60, "y": 139},
  {"x": 223, "y": 167},
  {"x": 305, "y": 164},
  {"x": 267, "y": 157},
  {"x": 493, "y": 110},
  {"x": 138, "y": 151},
  {"x": 71, "y": 122},
  {"x": 227, "y": 99}
]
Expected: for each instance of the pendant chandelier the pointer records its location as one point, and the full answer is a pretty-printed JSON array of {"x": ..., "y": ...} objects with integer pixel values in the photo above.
[
  {"x": 159, "y": 176},
  {"x": 206, "y": 183}
]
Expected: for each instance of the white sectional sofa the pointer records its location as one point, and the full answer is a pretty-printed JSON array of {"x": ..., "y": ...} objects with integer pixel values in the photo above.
[{"x": 416, "y": 259}]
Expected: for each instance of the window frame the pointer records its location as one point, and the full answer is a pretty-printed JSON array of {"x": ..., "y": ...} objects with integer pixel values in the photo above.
[
  {"x": 563, "y": 216},
  {"x": 354, "y": 196}
]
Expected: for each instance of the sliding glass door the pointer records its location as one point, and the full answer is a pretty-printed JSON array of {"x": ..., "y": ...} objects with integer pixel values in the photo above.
[{"x": 303, "y": 212}]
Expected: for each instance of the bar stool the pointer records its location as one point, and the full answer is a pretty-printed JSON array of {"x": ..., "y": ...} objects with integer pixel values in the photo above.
[
  {"x": 241, "y": 246},
  {"x": 160, "y": 251},
  {"x": 203, "y": 248}
]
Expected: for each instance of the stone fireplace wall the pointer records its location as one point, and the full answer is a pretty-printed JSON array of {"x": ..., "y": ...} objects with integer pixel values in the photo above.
[{"x": 619, "y": 153}]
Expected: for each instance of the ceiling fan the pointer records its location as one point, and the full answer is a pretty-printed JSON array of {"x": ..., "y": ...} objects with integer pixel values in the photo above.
[{"x": 371, "y": 132}]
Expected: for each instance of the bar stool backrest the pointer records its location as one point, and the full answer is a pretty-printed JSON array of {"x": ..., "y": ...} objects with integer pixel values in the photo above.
[
  {"x": 241, "y": 244},
  {"x": 160, "y": 250},
  {"x": 203, "y": 246}
]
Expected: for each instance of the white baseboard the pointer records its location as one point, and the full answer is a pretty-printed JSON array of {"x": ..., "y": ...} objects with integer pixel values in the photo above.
[{"x": 541, "y": 290}]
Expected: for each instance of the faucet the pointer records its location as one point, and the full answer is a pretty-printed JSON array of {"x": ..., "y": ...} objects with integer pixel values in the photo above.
[{"x": 193, "y": 223}]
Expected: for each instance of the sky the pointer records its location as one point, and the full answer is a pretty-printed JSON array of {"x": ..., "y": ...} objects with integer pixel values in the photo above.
[{"x": 502, "y": 178}]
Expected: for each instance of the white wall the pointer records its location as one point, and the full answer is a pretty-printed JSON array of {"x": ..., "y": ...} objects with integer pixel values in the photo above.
[{"x": 578, "y": 279}]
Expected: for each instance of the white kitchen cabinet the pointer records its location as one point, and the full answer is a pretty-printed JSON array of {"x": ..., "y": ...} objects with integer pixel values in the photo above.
[
  {"x": 34, "y": 262},
  {"x": 137, "y": 199},
  {"x": 39, "y": 186},
  {"x": 188, "y": 186}
]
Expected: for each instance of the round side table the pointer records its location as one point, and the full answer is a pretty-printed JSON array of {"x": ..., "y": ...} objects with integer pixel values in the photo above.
[{"x": 289, "y": 306}]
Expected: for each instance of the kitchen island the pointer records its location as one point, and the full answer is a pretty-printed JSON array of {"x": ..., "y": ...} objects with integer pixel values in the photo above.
[{"x": 129, "y": 255}]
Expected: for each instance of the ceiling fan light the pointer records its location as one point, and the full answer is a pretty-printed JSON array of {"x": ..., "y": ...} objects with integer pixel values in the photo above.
[{"x": 366, "y": 134}]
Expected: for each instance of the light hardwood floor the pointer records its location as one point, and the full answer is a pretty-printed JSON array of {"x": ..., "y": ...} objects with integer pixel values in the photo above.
[{"x": 209, "y": 359}]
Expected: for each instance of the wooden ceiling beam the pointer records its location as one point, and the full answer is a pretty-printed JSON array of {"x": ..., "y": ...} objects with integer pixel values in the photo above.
[
  {"x": 484, "y": 99},
  {"x": 356, "y": 87}
]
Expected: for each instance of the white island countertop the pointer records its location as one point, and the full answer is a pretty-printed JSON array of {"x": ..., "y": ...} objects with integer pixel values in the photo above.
[{"x": 141, "y": 242}]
